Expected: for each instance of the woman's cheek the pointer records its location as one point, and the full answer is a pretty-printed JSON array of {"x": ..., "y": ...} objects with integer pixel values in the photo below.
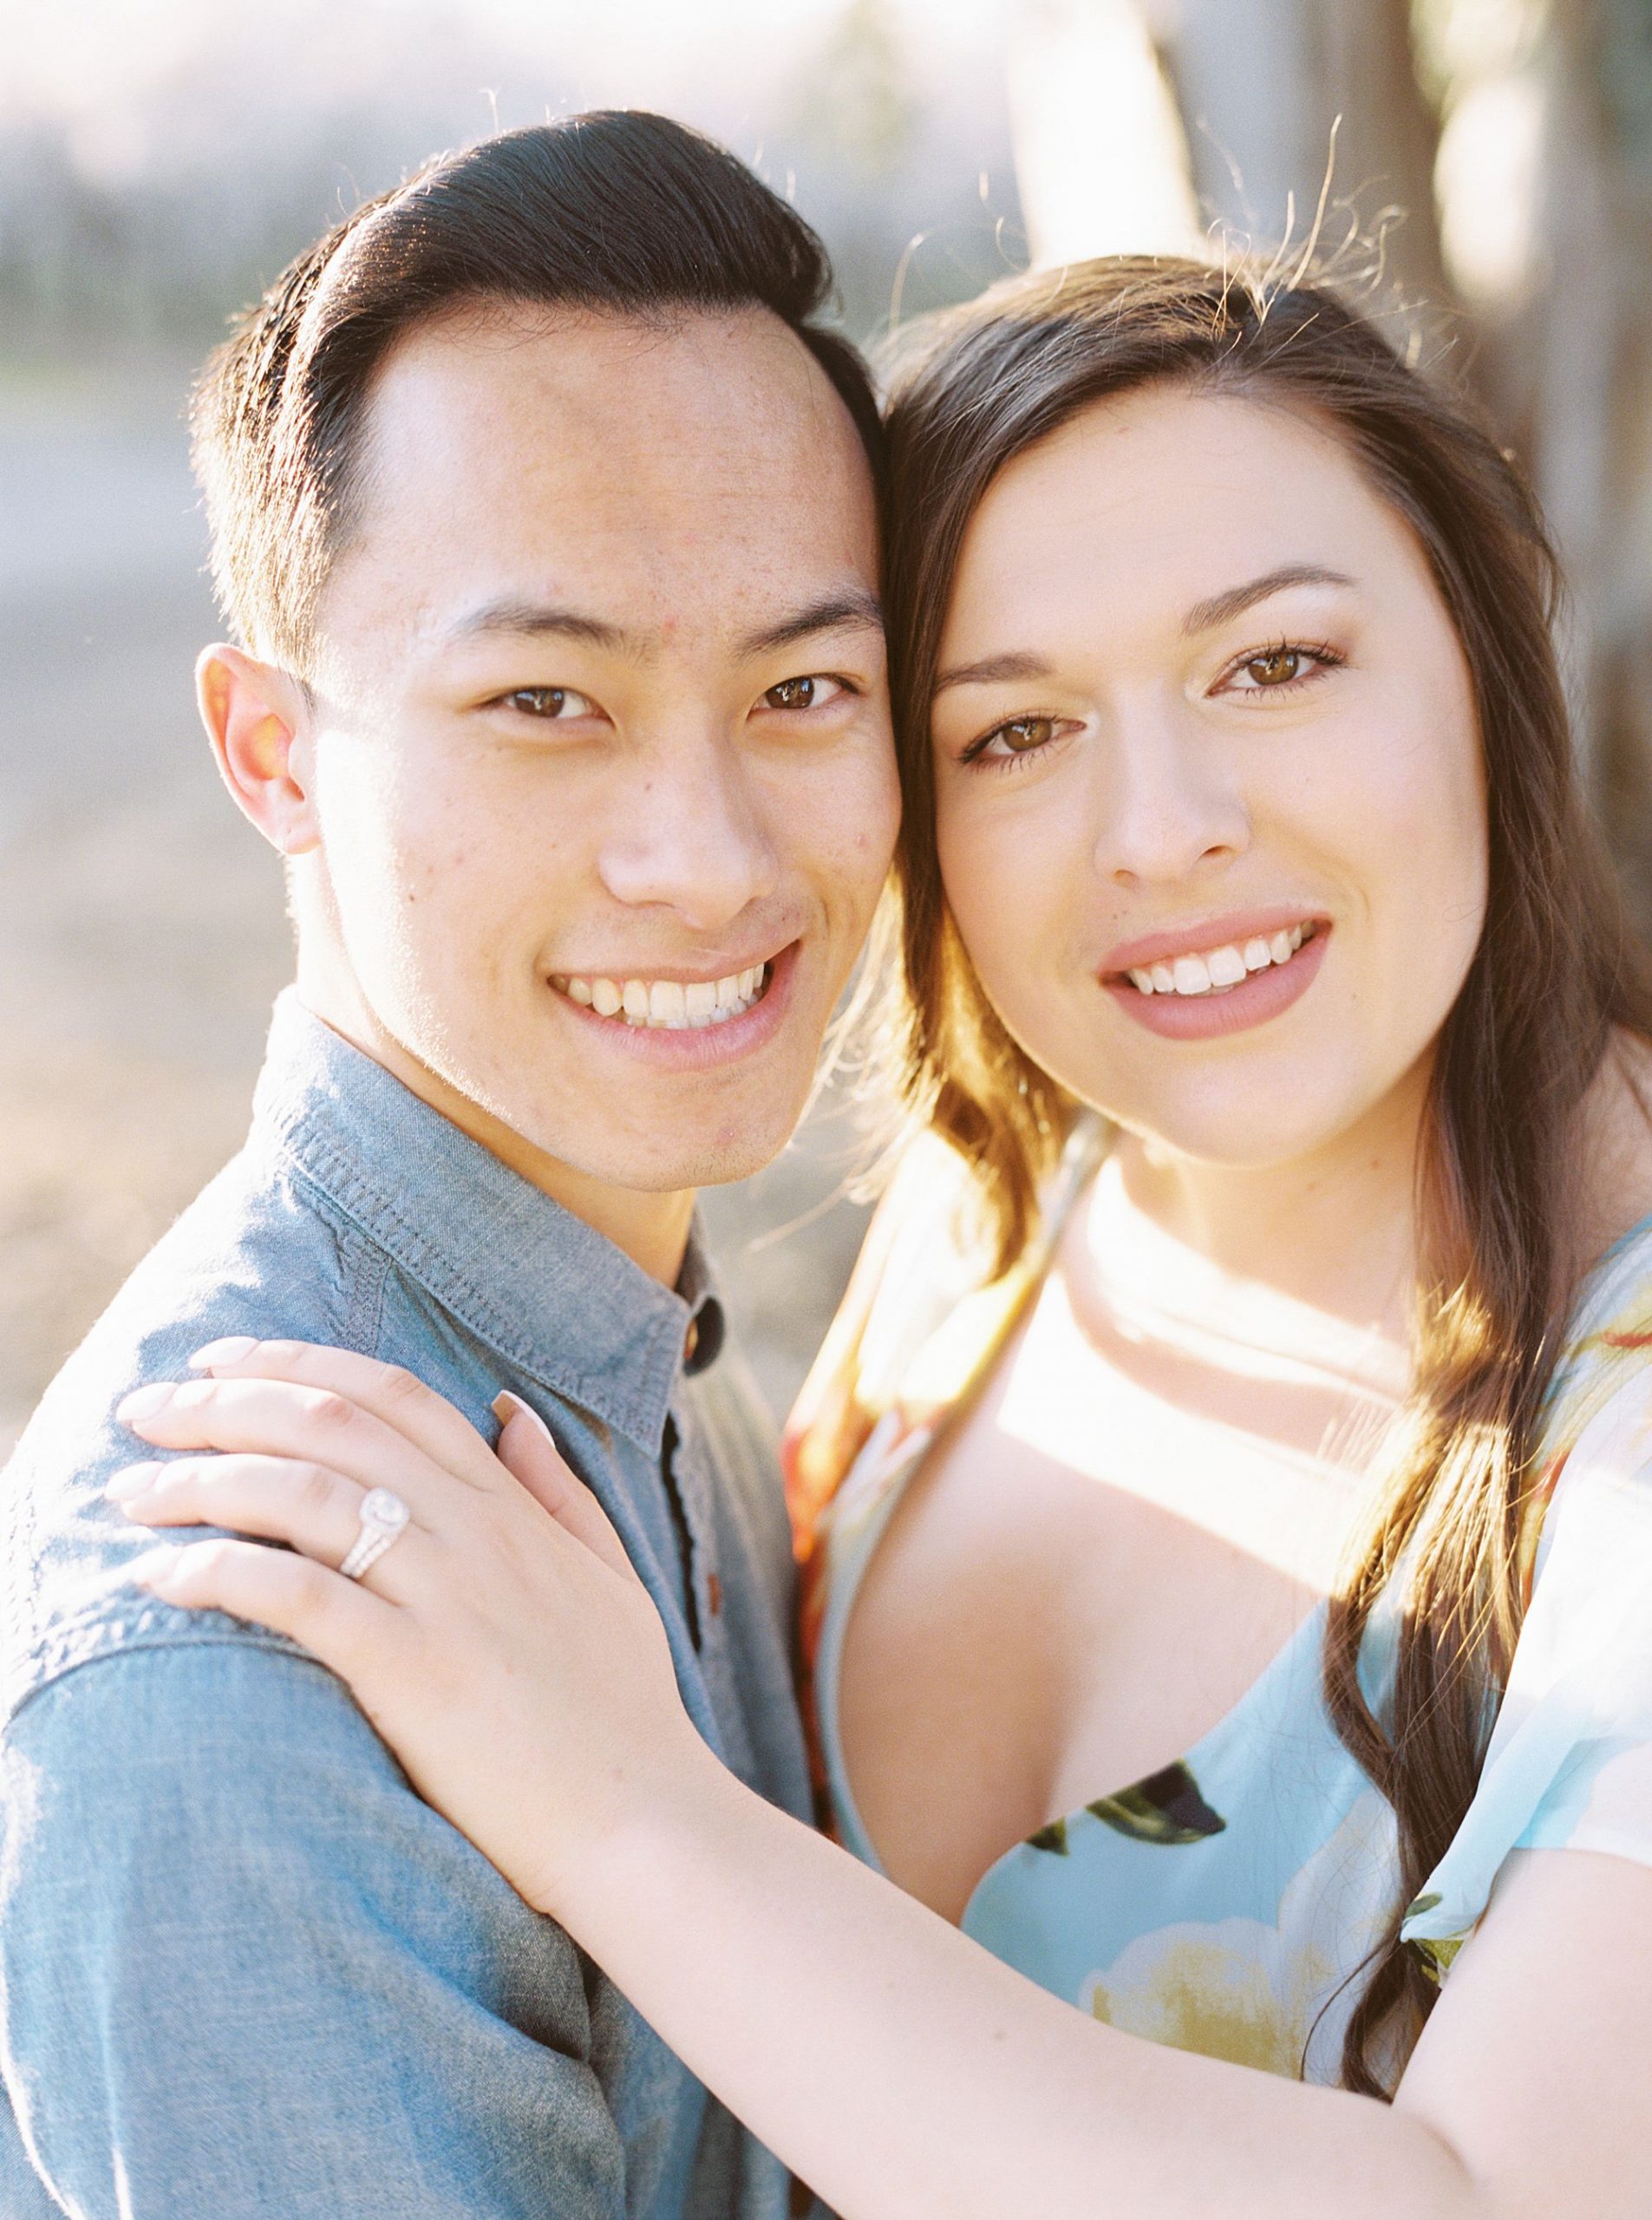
[
  {"x": 975, "y": 875},
  {"x": 1420, "y": 835},
  {"x": 1011, "y": 892}
]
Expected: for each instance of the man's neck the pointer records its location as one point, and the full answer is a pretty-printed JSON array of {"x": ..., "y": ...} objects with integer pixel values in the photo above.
[{"x": 652, "y": 1229}]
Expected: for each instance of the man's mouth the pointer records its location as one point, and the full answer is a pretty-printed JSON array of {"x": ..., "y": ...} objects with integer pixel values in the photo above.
[
  {"x": 669, "y": 1005},
  {"x": 1219, "y": 970}
]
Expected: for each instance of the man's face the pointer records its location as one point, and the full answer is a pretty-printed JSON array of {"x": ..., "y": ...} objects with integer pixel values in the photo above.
[{"x": 600, "y": 752}]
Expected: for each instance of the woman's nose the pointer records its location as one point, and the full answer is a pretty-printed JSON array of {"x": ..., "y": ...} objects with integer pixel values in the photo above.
[
  {"x": 691, "y": 838},
  {"x": 1167, "y": 800}
]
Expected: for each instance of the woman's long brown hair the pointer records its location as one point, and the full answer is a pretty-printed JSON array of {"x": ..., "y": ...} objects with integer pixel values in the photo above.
[{"x": 1555, "y": 972}]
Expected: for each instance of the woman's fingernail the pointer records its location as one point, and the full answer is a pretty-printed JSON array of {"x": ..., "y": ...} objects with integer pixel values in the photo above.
[
  {"x": 133, "y": 1481},
  {"x": 144, "y": 1402},
  {"x": 230, "y": 1350},
  {"x": 157, "y": 1568},
  {"x": 507, "y": 1407}
]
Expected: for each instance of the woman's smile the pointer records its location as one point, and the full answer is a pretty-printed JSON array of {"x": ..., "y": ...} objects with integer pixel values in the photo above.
[
  {"x": 1201, "y": 995},
  {"x": 1215, "y": 810},
  {"x": 1200, "y": 991}
]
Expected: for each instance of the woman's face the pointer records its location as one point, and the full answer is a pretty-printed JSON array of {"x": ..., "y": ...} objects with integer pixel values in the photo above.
[{"x": 1208, "y": 792}]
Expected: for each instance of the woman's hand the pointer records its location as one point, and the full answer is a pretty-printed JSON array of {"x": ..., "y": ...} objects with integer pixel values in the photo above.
[
  {"x": 508, "y": 1653},
  {"x": 503, "y": 1645}
]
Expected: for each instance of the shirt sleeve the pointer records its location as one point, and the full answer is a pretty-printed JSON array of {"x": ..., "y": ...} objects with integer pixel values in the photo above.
[
  {"x": 246, "y": 1971},
  {"x": 1568, "y": 1765}
]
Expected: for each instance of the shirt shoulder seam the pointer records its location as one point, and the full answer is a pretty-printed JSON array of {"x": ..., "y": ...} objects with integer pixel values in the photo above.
[{"x": 129, "y": 1642}]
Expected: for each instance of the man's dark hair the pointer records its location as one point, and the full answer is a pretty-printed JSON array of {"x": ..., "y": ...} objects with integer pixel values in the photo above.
[{"x": 618, "y": 212}]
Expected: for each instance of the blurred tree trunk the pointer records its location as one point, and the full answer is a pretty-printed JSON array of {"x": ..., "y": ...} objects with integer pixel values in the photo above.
[
  {"x": 1568, "y": 367},
  {"x": 1263, "y": 84},
  {"x": 1546, "y": 109},
  {"x": 1561, "y": 351}
]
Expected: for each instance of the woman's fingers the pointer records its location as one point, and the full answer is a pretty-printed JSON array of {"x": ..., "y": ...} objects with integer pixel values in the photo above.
[
  {"x": 529, "y": 1454},
  {"x": 315, "y": 1511},
  {"x": 398, "y": 1398},
  {"x": 355, "y": 1632},
  {"x": 275, "y": 1418}
]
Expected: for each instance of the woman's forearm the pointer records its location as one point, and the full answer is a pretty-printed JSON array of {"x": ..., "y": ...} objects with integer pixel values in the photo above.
[
  {"x": 527, "y": 1684},
  {"x": 904, "y": 2071}
]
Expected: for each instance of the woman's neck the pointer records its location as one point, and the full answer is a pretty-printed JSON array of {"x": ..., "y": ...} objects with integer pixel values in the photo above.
[{"x": 1334, "y": 1231}]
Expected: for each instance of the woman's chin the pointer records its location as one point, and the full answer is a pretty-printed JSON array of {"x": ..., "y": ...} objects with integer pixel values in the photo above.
[{"x": 1267, "y": 1129}]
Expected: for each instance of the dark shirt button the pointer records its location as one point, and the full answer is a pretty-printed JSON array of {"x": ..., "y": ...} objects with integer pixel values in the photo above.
[
  {"x": 713, "y": 1595},
  {"x": 703, "y": 1338}
]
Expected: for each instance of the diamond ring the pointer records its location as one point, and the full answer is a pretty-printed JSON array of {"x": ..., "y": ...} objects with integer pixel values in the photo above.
[{"x": 383, "y": 1516}]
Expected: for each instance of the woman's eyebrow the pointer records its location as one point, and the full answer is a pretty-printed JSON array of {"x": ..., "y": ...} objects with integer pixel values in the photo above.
[
  {"x": 1205, "y": 616},
  {"x": 993, "y": 670}
]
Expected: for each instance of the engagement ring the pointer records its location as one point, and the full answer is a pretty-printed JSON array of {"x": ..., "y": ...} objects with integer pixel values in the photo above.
[{"x": 383, "y": 1516}]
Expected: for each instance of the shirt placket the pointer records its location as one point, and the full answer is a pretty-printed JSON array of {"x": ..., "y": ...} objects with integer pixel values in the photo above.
[{"x": 690, "y": 1479}]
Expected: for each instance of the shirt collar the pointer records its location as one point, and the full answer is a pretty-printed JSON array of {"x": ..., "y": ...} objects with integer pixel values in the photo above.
[{"x": 554, "y": 1298}]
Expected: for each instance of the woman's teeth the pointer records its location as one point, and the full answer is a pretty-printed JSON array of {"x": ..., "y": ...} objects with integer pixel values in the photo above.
[
  {"x": 667, "y": 1003},
  {"x": 1219, "y": 968}
]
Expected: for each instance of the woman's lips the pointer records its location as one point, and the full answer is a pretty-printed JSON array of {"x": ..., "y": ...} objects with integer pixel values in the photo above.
[{"x": 1202, "y": 1016}]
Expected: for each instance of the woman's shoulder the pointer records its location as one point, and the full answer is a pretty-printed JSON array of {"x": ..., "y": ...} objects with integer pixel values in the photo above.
[
  {"x": 1570, "y": 1761},
  {"x": 926, "y": 1251},
  {"x": 927, "y": 1309},
  {"x": 1604, "y": 1370}
]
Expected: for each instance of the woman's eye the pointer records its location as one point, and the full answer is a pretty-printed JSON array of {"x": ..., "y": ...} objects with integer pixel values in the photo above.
[
  {"x": 1276, "y": 668},
  {"x": 1019, "y": 736},
  {"x": 551, "y": 702},
  {"x": 803, "y": 693}
]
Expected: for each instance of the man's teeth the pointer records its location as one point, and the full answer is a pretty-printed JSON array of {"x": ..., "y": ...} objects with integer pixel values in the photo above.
[
  {"x": 1218, "y": 969},
  {"x": 669, "y": 1004}
]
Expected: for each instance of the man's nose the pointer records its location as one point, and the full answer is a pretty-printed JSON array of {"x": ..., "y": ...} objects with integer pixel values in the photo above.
[
  {"x": 690, "y": 835},
  {"x": 1168, "y": 798}
]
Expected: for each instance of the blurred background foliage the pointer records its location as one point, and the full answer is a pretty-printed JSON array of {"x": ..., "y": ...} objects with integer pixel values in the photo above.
[{"x": 1482, "y": 167}]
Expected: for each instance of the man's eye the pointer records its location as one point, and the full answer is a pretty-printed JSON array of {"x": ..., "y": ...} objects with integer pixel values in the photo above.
[
  {"x": 548, "y": 702},
  {"x": 803, "y": 693}
]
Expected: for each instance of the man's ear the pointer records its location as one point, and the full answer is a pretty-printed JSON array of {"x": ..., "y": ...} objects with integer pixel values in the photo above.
[{"x": 258, "y": 719}]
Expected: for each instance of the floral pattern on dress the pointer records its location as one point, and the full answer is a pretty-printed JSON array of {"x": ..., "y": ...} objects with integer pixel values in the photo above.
[
  {"x": 1255, "y": 1991},
  {"x": 1229, "y": 1903},
  {"x": 1166, "y": 1808}
]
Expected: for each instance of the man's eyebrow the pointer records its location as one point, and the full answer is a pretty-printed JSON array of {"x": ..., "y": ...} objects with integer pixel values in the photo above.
[
  {"x": 538, "y": 620},
  {"x": 993, "y": 670},
  {"x": 1205, "y": 616},
  {"x": 857, "y": 608}
]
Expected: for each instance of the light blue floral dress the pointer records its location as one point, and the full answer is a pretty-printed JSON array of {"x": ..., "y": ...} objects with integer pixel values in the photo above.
[{"x": 1227, "y": 1903}]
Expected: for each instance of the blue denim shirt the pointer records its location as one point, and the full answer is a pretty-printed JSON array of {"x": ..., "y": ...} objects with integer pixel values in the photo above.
[{"x": 243, "y": 1969}]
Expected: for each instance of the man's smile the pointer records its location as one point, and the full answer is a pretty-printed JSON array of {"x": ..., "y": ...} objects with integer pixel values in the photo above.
[
  {"x": 684, "y": 1024},
  {"x": 674, "y": 1005}
]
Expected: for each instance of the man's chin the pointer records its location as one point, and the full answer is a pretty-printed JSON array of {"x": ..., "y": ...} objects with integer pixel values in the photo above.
[
  {"x": 672, "y": 1172},
  {"x": 689, "y": 1143},
  {"x": 666, "y": 1156}
]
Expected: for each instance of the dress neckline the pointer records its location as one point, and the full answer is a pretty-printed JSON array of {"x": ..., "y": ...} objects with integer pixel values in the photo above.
[
  {"x": 1197, "y": 1760},
  {"x": 912, "y": 1453},
  {"x": 1629, "y": 1238},
  {"x": 908, "y": 1451}
]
